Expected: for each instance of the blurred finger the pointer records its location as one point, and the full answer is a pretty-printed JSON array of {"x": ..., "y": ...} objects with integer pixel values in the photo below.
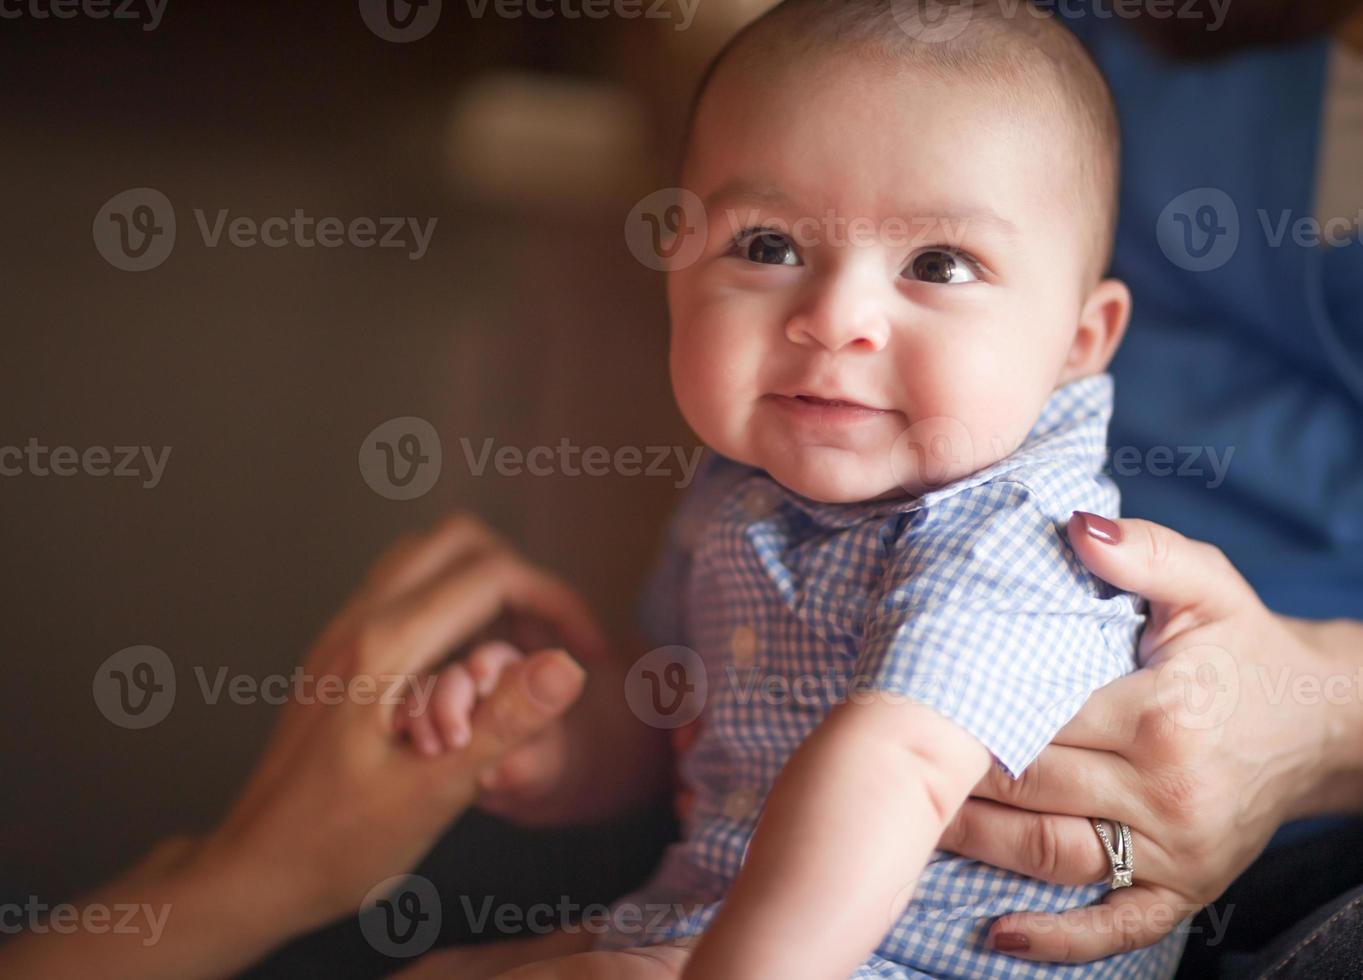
[
  {"x": 527, "y": 771},
  {"x": 486, "y": 664},
  {"x": 451, "y": 706},
  {"x": 532, "y": 695},
  {"x": 1128, "y": 919},
  {"x": 415, "y": 560},
  {"x": 421, "y": 730},
  {"x": 422, "y": 627},
  {"x": 410, "y": 560},
  {"x": 1062, "y": 850}
]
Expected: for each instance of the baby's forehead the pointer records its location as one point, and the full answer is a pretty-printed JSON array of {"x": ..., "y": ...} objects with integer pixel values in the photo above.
[
  {"x": 871, "y": 139},
  {"x": 1011, "y": 96}
]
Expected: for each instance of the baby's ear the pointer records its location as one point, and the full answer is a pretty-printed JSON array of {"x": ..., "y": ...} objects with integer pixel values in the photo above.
[{"x": 1102, "y": 322}]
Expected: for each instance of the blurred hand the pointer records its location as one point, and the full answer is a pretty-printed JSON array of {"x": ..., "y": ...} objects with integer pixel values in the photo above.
[
  {"x": 338, "y": 803},
  {"x": 437, "y": 717},
  {"x": 1202, "y": 753}
]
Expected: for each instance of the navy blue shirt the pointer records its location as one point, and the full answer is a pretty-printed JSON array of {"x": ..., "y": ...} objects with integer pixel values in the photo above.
[{"x": 1239, "y": 400}]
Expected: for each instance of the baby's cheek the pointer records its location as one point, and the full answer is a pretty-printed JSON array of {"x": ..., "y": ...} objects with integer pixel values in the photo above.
[
  {"x": 971, "y": 403},
  {"x": 715, "y": 364},
  {"x": 698, "y": 383}
]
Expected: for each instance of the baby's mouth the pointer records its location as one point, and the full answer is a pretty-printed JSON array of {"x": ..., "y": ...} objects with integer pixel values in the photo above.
[
  {"x": 817, "y": 408},
  {"x": 833, "y": 402}
]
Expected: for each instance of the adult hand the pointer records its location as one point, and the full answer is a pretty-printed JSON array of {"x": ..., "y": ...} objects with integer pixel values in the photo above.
[
  {"x": 338, "y": 804},
  {"x": 1203, "y": 754},
  {"x": 337, "y": 800}
]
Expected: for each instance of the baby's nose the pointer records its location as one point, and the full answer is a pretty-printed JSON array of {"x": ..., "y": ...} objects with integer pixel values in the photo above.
[{"x": 843, "y": 314}]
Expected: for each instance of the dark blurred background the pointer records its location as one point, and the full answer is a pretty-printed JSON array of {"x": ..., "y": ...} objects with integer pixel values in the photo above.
[{"x": 263, "y": 369}]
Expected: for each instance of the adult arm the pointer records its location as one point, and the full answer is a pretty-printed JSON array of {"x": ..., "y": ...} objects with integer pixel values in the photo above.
[{"x": 336, "y": 805}]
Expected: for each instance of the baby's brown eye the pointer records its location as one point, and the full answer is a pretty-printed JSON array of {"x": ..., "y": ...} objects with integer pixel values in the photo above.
[
  {"x": 940, "y": 267},
  {"x": 769, "y": 248}
]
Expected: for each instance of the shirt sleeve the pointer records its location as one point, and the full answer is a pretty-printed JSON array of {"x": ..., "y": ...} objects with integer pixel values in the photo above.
[{"x": 986, "y": 616}]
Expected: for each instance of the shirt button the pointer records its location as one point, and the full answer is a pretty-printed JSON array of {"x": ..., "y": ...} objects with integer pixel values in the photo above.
[
  {"x": 743, "y": 646},
  {"x": 740, "y": 804},
  {"x": 759, "y": 501}
]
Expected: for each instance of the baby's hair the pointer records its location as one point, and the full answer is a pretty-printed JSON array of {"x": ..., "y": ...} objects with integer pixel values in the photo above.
[{"x": 1019, "y": 49}]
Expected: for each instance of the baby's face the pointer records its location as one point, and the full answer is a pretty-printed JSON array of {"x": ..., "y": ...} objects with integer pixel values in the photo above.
[{"x": 911, "y": 304}]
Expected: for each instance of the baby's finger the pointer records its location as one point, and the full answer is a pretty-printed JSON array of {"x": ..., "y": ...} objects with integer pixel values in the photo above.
[
  {"x": 532, "y": 695},
  {"x": 486, "y": 664},
  {"x": 451, "y": 705},
  {"x": 421, "y": 729}
]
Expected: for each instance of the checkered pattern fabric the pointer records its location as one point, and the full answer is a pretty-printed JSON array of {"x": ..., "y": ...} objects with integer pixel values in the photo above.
[{"x": 967, "y": 599}]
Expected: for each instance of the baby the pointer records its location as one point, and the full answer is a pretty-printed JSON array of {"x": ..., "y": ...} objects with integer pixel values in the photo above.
[{"x": 901, "y": 422}]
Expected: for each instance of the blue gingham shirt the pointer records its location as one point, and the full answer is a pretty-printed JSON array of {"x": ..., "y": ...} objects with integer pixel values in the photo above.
[{"x": 967, "y": 599}]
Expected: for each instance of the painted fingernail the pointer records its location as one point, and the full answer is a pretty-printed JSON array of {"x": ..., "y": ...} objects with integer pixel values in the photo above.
[
  {"x": 1010, "y": 942},
  {"x": 1099, "y": 527}
]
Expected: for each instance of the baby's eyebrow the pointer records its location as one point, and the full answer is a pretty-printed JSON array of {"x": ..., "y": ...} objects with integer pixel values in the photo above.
[
  {"x": 955, "y": 218},
  {"x": 747, "y": 192},
  {"x": 970, "y": 219}
]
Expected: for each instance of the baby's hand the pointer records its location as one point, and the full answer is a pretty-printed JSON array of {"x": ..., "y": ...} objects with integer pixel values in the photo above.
[
  {"x": 442, "y": 721},
  {"x": 438, "y": 719}
]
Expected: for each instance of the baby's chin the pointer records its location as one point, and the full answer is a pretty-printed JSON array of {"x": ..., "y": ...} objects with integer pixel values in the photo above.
[{"x": 833, "y": 476}]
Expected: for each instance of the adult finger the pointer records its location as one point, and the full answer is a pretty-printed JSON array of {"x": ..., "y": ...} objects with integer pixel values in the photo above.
[
  {"x": 417, "y": 631},
  {"x": 412, "y": 561},
  {"x": 1157, "y": 563},
  {"x": 1126, "y": 920},
  {"x": 1113, "y": 715},
  {"x": 1071, "y": 782},
  {"x": 523, "y": 776},
  {"x": 1062, "y": 850},
  {"x": 407, "y": 562},
  {"x": 532, "y": 694}
]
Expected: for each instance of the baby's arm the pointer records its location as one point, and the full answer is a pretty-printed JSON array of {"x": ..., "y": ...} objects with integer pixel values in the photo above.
[{"x": 847, "y": 829}]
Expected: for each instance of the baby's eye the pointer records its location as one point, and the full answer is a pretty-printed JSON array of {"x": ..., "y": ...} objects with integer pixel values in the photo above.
[
  {"x": 942, "y": 267},
  {"x": 765, "y": 247}
]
